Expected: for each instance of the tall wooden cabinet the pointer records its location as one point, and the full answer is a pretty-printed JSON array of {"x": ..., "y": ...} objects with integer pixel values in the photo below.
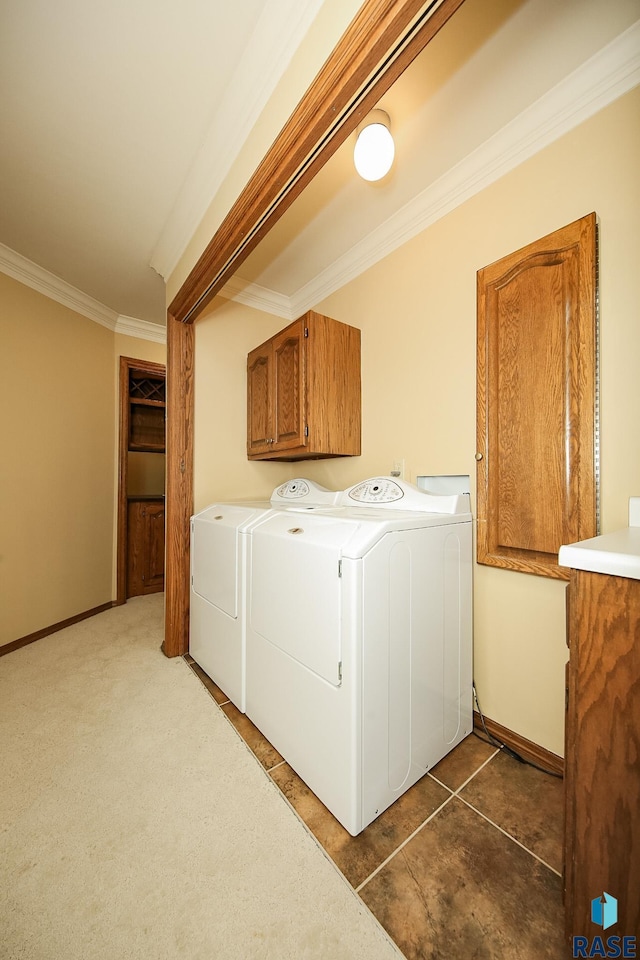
[
  {"x": 140, "y": 550},
  {"x": 303, "y": 392}
]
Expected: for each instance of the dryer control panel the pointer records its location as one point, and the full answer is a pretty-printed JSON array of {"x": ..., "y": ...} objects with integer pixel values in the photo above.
[{"x": 376, "y": 490}]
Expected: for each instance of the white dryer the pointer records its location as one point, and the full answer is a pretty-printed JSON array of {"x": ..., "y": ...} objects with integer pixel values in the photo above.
[
  {"x": 359, "y": 641},
  {"x": 218, "y": 579}
]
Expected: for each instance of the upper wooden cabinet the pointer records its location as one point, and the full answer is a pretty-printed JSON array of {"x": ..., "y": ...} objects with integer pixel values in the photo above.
[
  {"x": 147, "y": 404},
  {"x": 303, "y": 392},
  {"x": 537, "y": 414}
]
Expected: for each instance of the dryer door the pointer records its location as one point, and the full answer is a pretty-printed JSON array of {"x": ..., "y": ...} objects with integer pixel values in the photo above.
[{"x": 295, "y": 592}]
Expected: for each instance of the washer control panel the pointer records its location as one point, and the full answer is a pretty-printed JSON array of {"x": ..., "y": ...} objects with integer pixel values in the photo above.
[
  {"x": 377, "y": 490},
  {"x": 392, "y": 494},
  {"x": 293, "y": 490}
]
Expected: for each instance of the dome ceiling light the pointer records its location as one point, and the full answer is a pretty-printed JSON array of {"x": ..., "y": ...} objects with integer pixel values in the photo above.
[{"x": 374, "y": 150}]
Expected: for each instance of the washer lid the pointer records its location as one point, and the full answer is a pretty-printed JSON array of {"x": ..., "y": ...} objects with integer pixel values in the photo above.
[
  {"x": 348, "y": 532},
  {"x": 235, "y": 513}
]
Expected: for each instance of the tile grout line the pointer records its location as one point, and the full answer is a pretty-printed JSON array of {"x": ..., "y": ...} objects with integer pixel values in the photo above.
[
  {"x": 511, "y": 837},
  {"x": 469, "y": 779},
  {"x": 404, "y": 842},
  {"x": 275, "y": 767},
  {"x": 453, "y": 793}
]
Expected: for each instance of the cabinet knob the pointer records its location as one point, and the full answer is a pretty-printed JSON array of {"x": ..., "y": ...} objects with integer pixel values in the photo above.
[{"x": 479, "y": 456}]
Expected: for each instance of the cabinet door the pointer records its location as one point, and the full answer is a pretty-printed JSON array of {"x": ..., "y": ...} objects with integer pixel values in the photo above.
[
  {"x": 154, "y": 549},
  {"x": 135, "y": 549},
  {"x": 145, "y": 548},
  {"x": 289, "y": 387},
  {"x": 537, "y": 401},
  {"x": 259, "y": 400}
]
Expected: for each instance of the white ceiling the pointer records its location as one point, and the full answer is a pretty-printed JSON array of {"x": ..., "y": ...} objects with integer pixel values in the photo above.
[
  {"x": 113, "y": 115},
  {"x": 113, "y": 112}
]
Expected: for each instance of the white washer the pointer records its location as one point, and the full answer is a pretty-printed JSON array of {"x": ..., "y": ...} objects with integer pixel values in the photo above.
[
  {"x": 218, "y": 579},
  {"x": 359, "y": 649}
]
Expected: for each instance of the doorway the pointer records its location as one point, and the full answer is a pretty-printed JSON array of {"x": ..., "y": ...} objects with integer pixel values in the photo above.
[{"x": 141, "y": 478}]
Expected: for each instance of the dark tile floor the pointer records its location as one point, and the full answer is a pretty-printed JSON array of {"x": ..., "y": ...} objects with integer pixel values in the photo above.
[{"x": 466, "y": 865}]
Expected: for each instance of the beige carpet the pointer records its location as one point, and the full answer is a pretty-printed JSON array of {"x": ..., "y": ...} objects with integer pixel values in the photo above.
[{"x": 134, "y": 822}]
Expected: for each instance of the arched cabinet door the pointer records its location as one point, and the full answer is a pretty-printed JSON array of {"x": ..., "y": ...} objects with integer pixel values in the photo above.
[{"x": 536, "y": 401}]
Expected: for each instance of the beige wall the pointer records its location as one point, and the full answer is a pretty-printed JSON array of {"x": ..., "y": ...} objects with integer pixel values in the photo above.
[
  {"x": 58, "y": 471},
  {"x": 224, "y": 336},
  {"x": 139, "y": 349},
  {"x": 145, "y": 473},
  {"x": 417, "y": 312},
  {"x": 57, "y": 477}
]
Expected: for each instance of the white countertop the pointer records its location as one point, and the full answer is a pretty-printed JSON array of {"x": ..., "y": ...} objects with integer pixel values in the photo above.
[{"x": 616, "y": 553}]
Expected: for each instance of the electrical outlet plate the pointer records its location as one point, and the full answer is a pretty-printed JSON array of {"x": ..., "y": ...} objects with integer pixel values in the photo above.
[{"x": 397, "y": 470}]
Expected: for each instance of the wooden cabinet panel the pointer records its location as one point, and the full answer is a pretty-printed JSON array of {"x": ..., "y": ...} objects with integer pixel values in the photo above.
[
  {"x": 303, "y": 392},
  {"x": 537, "y": 401},
  {"x": 289, "y": 369},
  {"x": 335, "y": 374},
  {"x": 154, "y": 571},
  {"x": 145, "y": 552},
  {"x": 602, "y": 763},
  {"x": 259, "y": 405}
]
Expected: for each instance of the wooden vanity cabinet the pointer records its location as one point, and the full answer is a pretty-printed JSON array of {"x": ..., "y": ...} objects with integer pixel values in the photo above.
[
  {"x": 602, "y": 759},
  {"x": 303, "y": 392},
  {"x": 145, "y": 553}
]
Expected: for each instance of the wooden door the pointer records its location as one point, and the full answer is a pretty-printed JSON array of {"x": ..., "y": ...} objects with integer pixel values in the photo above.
[
  {"x": 259, "y": 399},
  {"x": 536, "y": 405},
  {"x": 289, "y": 387}
]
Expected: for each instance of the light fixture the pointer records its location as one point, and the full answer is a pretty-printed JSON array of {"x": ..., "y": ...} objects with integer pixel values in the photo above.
[{"x": 374, "y": 149}]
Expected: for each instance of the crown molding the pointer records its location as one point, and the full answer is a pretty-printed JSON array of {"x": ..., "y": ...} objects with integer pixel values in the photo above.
[
  {"x": 605, "y": 77},
  {"x": 142, "y": 329},
  {"x": 37, "y": 278},
  {"x": 261, "y": 298},
  {"x": 278, "y": 33}
]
